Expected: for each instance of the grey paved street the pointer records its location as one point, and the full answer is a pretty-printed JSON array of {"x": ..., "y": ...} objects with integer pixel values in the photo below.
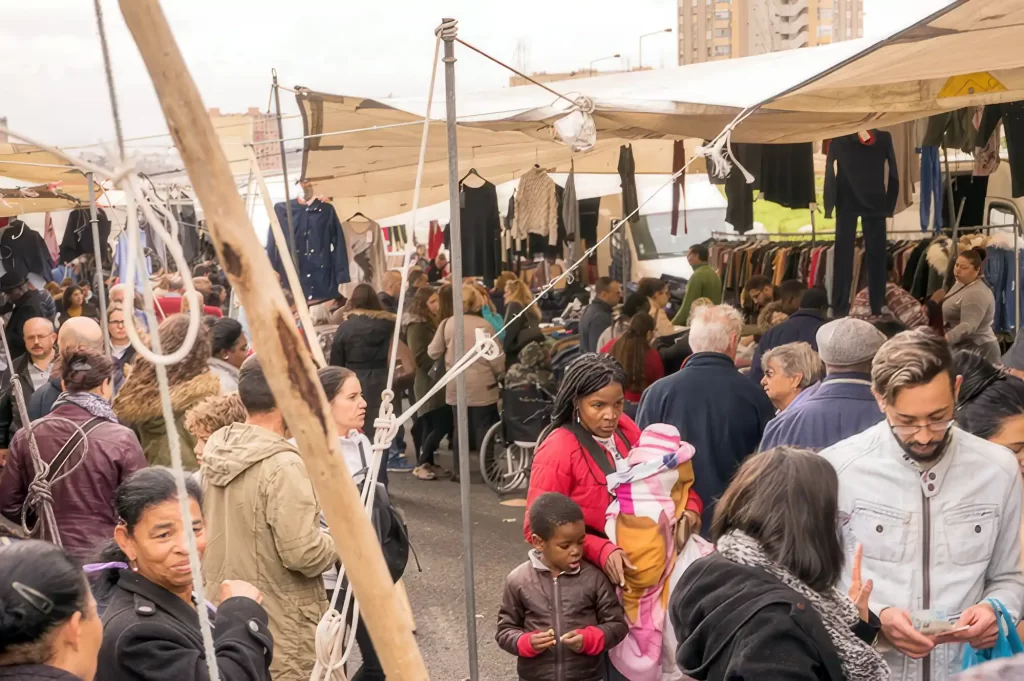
[{"x": 433, "y": 513}]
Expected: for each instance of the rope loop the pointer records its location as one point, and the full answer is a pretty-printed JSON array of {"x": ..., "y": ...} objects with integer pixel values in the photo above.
[
  {"x": 585, "y": 104},
  {"x": 447, "y": 30}
]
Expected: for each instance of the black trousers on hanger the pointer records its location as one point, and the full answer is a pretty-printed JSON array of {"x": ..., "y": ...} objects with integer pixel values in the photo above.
[{"x": 875, "y": 258}]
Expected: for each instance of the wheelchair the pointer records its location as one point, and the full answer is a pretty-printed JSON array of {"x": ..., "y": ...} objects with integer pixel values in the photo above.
[{"x": 506, "y": 452}]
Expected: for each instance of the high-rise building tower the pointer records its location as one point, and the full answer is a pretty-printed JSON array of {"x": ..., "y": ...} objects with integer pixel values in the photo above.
[{"x": 722, "y": 29}]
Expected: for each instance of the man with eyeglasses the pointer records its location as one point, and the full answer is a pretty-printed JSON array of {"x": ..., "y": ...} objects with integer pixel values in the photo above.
[
  {"x": 31, "y": 370},
  {"x": 937, "y": 511}
]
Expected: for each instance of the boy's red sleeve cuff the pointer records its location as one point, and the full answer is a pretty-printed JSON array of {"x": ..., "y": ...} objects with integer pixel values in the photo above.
[
  {"x": 694, "y": 503},
  {"x": 524, "y": 646},
  {"x": 593, "y": 640}
]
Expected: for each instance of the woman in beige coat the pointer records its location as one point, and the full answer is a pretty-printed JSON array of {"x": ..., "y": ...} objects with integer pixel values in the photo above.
[{"x": 482, "y": 375}]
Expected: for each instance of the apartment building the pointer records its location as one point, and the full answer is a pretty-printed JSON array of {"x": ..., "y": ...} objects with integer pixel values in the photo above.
[
  {"x": 722, "y": 29},
  {"x": 238, "y": 130}
]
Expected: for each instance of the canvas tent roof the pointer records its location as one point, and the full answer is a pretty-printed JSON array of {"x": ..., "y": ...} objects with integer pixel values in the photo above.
[{"x": 971, "y": 52}]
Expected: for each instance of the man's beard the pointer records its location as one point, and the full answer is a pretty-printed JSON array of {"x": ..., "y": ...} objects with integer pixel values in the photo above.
[{"x": 934, "y": 455}]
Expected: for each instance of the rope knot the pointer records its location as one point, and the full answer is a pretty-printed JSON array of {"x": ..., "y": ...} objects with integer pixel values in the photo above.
[{"x": 448, "y": 30}]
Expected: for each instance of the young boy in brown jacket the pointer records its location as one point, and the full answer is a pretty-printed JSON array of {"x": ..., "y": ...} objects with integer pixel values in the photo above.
[{"x": 559, "y": 613}]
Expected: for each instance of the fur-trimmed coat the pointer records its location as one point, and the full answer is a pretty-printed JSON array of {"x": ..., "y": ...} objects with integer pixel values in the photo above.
[
  {"x": 138, "y": 406},
  {"x": 362, "y": 343}
]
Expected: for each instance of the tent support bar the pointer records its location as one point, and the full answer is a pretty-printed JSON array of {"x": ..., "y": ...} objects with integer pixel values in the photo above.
[
  {"x": 289, "y": 369},
  {"x": 101, "y": 294},
  {"x": 462, "y": 409},
  {"x": 289, "y": 266},
  {"x": 290, "y": 236}
]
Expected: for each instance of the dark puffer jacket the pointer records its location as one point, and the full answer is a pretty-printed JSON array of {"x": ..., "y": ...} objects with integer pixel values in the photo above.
[
  {"x": 582, "y": 600},
  {"x": 362, "y": 343}
]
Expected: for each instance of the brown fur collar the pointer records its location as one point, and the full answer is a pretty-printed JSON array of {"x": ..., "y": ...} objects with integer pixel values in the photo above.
[
  {"x": 372, "y": 314},
  {"x": 139, "y": 402}
]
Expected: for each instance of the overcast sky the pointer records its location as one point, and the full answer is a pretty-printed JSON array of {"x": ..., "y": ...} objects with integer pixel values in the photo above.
[{"x": 54, "y": 85}]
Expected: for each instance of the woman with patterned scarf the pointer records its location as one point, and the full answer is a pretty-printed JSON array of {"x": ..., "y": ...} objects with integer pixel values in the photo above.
[
  {"x": 84, "y": 476},
  {"x": 766, "y": 606}
]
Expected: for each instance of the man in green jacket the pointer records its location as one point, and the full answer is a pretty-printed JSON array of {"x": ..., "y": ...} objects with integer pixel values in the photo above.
[{"x": 704, "y": 283}]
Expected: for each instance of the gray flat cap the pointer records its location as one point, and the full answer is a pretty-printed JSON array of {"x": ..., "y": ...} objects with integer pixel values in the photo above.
[{"x": 848, "y": 341}]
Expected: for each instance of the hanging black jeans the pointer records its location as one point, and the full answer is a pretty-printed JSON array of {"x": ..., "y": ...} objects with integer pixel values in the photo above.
[{"x": 875, "y": 259}]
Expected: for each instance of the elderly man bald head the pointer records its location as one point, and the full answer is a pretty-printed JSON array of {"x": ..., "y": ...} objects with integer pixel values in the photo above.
[{"x": 80, "y": 331}]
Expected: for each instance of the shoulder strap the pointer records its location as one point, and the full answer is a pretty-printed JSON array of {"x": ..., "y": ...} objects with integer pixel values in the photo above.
[
  {"x": 69, "y": 447},
  {"x": 595, "y": 451}
]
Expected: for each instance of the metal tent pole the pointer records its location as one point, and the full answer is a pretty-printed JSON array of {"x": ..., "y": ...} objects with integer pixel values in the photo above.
[
  {"x": 290, "y": 234},
  {"x": 460, "y": 342},
  {"x": 101, "y": 292}
]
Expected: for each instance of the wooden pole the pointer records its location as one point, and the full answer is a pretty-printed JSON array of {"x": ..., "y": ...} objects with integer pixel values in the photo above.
[
  {"x": 290, "y": 369},
  {"x": 289, "y": 264}
]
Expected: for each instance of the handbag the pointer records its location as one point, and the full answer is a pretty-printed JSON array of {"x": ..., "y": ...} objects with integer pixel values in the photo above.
[
  {"x": 437, "y": 370},
  {"x": 1007, "y": 645}
]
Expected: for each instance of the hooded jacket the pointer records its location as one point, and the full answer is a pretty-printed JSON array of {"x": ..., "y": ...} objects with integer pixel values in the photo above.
[
  {"x": 362, "y": 343},
  {"x": 263, "y": 523},
  {"x": 739, "y": 622},
  {"x": 583, "y": 600},
  {"x": 138, "y": 406}
]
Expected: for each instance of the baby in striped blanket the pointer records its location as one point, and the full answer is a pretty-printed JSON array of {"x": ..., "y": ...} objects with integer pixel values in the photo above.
[{"x": 649, "y": 501}]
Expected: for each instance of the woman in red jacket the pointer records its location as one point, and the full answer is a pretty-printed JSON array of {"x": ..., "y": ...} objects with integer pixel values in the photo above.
[{"x": 589, "y": 437}]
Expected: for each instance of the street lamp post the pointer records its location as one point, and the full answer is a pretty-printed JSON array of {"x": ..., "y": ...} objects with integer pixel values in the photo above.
[
  {"x": 614, "y": 56},
  {"x": 648, "y": 35}
]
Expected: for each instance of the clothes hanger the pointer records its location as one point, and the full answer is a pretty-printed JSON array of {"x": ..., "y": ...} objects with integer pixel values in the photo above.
[
  {"x": 472, "y": 171},
  {"x": 358, "y": 214}
]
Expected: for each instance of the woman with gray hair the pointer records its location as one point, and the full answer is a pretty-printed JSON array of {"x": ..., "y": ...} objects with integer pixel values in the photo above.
[{"x": 789, "y": 370}]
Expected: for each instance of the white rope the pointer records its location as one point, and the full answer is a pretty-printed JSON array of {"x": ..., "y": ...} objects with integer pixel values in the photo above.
[
  {"x": 332, "y": 648},
  {"x": 125, "y": 178}
]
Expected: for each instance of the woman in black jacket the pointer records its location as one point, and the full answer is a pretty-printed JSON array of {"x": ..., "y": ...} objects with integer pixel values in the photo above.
[
  {"x": 151, "y": 627},
  {"x": 362, "y": 343},
  {"x": 49, "y": 629},
  {"x": 766, "y": 606}
]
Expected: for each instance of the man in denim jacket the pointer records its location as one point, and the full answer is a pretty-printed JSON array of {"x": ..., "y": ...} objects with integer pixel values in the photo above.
[{"x": 937, "y": 510}]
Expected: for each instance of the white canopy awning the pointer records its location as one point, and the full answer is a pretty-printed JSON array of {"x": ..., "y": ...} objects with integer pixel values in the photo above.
[{"x": 971, "y": 52}]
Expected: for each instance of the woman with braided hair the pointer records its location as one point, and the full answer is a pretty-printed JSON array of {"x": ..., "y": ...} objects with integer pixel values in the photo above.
[{"x": 588, "y": 439}]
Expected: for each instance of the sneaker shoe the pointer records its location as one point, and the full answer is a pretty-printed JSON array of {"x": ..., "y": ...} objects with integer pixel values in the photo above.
[
  {"x": 399, "y": 465},
  {"x": 423, "y": 473}
]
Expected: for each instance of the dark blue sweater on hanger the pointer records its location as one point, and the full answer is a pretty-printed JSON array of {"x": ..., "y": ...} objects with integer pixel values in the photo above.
[{"x": 320, "y": 250}]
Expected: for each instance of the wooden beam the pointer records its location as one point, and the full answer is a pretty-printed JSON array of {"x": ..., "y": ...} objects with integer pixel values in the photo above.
[{"x": 290, "y": 370}]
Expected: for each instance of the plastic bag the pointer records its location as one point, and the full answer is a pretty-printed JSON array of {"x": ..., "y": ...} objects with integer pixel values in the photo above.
[
  {"x": 696, "y": 547},
  {"x": 577, "y": 131},
  {"x": 1007, "y": 645}
]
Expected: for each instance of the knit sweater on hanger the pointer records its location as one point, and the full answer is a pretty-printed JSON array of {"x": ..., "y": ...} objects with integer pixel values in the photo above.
[{"x": 536, "y": 209}]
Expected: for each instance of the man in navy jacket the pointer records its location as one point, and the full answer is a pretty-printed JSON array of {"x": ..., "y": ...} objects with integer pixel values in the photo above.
[
  {"x": 843, "y": 405},
  {"x": 802, "y": 326},
  {"x": 716, "y": 409}
]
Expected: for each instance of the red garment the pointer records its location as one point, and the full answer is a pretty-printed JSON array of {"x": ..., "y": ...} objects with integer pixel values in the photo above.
[
  {"x": 654, "y": 368},
  {"x": 435, "y": 239},
  {"x": 561, "y": 465},
  {"x": 170, "y": 305},
  {"x": 812, "y": 275}
]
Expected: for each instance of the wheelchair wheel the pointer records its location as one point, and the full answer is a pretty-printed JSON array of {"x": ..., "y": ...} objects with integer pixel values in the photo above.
[{"x": 503, "y": 465}]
